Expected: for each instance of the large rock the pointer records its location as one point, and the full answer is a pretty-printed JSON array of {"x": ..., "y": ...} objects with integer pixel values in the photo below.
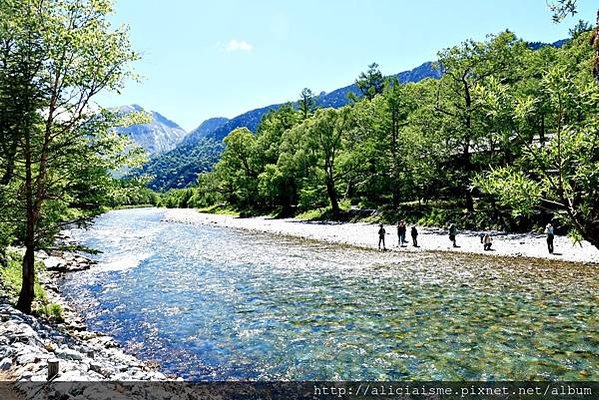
[
  {"x": 55, "y": 264},
  {"x": 5, "y": 364},
  {"x": 68, "y": 354}
]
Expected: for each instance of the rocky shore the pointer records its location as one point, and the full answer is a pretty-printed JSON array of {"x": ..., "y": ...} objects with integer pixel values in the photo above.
[{"x": 28, "y": 344}]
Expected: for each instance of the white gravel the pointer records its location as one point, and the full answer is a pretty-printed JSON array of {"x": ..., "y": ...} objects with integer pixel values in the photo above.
[{"x": 429, "y": 239}]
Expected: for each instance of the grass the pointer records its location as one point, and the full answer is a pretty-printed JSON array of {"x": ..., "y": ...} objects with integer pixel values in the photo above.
[
  {"x": 219, "y": 209},
  {"x": 313, "y": 215},
  {"x": 11, "y": 277}
]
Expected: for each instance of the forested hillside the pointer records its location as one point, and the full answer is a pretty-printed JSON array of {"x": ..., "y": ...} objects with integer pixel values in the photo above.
[
  {"x": 506, "y": 137},
  {"x": 179, "y": 168}
]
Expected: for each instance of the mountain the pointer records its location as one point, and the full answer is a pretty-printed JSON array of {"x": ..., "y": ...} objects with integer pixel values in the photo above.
[
  {"x": 156, "y": 137},
  {"x": 205, "y": 129},
  {"x": 539, "y": 45},
  {"x": 201, "y": 148},
  {"x": 180, "y": 167},
  {"x": 336, "y": 99}
]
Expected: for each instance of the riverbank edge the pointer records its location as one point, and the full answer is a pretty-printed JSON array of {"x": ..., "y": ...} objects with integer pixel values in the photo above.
[
  {"x": 27, "y": 342},
  {"x": 364, "y": 235}
]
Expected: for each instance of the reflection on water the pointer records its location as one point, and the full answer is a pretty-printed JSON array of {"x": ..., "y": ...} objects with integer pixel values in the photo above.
[{"x": 211, "y": 303}]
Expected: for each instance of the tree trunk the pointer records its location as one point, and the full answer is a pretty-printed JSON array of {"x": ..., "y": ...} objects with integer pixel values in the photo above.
[
  {"x": 289, "y": 199},
  {"x": 394, "y": 162},
  {"x": 466, "y": 154},
  {"x": 332, "y": 193},
  {"x": 27, "y": 289},
  {"x": 593, "y": 238}
]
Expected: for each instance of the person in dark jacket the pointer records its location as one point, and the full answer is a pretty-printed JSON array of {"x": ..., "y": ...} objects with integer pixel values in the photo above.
[
  {"x": 487, "y": 242},
  {"x": 453, "y": 231},
  {"x": 414, "y": 234},
  {"x": 401, "y": 232},
  {"x": 382, "y": 233},
  {"x": 550, "y": 236}
]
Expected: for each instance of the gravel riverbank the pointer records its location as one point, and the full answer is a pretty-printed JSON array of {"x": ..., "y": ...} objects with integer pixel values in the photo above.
[
  {"x": 27, "y": 343},
  {"x": 429, "y": 239}
]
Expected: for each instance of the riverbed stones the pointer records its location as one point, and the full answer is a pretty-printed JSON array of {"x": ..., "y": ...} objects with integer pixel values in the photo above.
[
  {"x": 54, "y": 263},
  {"x": 68, "y": 354},
  {"x": 27, "y": 344},
  {"x": 5, "y": 364}
]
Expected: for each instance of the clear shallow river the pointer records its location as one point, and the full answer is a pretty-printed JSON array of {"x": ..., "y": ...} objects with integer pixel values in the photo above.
[{"x": 211, "y": 303}]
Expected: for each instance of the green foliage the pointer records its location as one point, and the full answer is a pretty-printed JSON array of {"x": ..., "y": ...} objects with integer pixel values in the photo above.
[
  {"x": 11, "y": 275},
  {"x": 51, "y": 311},
  {"x": 306, "y": 103},
  {"x": 179, "y": 167},
  {"x": 517, "y": 191},
  {"x": 57, "y": 153},
  {"x": 562, "y": 173},
  {"x": 371, "y": 82}
]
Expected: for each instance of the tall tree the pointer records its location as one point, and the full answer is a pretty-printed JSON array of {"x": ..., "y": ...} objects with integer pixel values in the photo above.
[
  {"x": 307, "y": 104},
  {"x": 325, "y": 138},
  {"x": 371, "y": 82},
  {"x": 238, "y": 170},
  {"x": 464, "y": 67},
  {"x": 68, "y": 53},
  {"x": 562, "y": 175}
]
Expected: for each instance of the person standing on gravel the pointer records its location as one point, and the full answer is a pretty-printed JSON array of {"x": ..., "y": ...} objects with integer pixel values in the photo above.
[
  {"x": 382, "y": 233},
  {"x": 550, "y": 236},
  {"x": 414, "y": 234},
  {"x": 453, "y": 231},
  {"x": 401, "y": 232},
  {"x": 487, "y": 242}
]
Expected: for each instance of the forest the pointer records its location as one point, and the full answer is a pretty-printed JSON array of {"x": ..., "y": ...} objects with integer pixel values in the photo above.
[{"x": 507, "y": 138}]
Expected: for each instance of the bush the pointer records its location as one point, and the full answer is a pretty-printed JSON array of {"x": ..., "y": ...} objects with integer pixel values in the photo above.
[{"x": 51, "y": 311}]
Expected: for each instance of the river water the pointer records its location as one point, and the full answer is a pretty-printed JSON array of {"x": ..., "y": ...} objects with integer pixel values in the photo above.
[{"x": 211, "y": 303}]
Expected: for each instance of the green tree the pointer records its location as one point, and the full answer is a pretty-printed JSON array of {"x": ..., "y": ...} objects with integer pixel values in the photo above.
[
  {"x": 371, "y": 82},
  {"x": 237, "y": 169},
  {"x": 324, "y": 141},
  {"x": 560, "y": 176},
  {"x": 307, "y": 104},
  {"x": 465, "y": 67},
  {"x": 67, "y": 53}
]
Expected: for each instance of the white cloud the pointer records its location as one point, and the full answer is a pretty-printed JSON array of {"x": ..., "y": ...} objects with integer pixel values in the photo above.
[{"x": 239, "y": 45}]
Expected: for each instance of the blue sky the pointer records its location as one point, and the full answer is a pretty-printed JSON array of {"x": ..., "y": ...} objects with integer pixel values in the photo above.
[{"x": 209, "y": 58}]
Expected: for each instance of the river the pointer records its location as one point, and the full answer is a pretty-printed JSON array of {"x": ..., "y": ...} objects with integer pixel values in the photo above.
[{"x": 213, "y": 303}]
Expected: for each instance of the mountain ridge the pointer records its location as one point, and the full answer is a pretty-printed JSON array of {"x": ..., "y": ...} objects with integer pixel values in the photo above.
[{"x": 156, "y": 137}]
